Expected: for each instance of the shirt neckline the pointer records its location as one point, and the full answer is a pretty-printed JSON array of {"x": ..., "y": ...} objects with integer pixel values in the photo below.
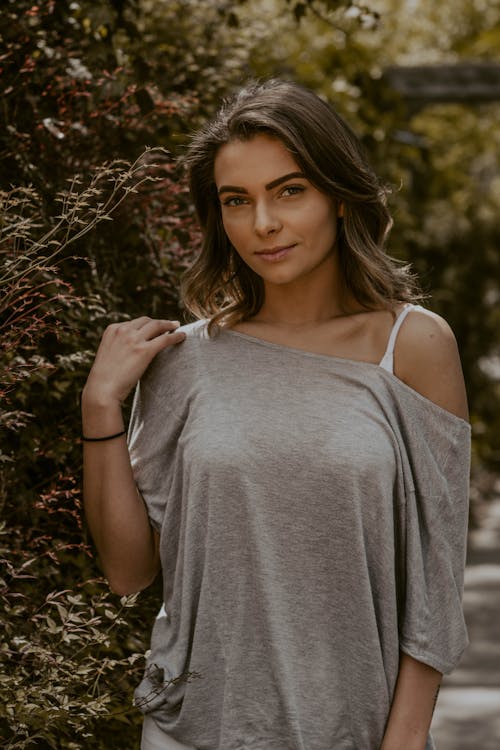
[
  {"x": 297, "y": 350},
  {"x": 356, "y": 362}
]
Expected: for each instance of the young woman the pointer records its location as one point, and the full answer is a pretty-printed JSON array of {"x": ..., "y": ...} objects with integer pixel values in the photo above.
[{"x": 297, "y": 464}]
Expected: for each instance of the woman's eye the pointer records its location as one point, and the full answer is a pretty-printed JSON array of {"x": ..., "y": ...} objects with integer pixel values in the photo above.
[
  {"x": 292, "y": 190},
  {"x": 235, "y": 201}
]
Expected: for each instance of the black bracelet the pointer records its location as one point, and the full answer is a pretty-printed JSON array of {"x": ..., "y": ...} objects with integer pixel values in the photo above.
[{"x": 99, "y": 440}]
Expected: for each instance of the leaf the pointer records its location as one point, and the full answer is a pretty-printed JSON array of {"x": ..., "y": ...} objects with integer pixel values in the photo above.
[
  {"x": 52, "y": 627},
  {"x": 77, "y": 599},
  {"x": 63, "y": 612}
]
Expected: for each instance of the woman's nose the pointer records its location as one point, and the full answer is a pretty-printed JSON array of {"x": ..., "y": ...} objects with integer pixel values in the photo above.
[{"x": 266, "y": 220}]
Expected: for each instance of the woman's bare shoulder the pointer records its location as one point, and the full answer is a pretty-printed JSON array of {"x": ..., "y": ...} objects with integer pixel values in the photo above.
[{"x": 427, "y": 359}]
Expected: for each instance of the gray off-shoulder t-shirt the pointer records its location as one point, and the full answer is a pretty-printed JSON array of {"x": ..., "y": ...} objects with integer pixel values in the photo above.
[{"x": 313, "y": 515}]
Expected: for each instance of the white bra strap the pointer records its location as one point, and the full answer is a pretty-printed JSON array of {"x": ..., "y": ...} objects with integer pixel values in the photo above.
[
  {"x": 387, "y": 361},
  {"x": 395, "y": 328}
]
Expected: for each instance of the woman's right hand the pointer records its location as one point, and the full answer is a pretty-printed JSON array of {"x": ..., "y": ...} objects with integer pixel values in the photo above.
[{"x": 125, "y": 351}]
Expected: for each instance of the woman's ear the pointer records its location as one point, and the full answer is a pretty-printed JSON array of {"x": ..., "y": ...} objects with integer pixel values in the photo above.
[{"x": 340, "y": 209}]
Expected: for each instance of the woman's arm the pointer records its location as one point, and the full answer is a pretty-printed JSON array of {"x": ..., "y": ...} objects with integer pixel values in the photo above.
[
  {"x": 426, "y": 359},
  {"x": 412, "y": 707},
  {"x": 116, "y": 514}
]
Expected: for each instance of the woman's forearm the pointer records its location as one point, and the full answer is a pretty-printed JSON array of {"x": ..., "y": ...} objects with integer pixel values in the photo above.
[
  {"x": 412, "y": 706},
  {"x": 116, "y": 514}
]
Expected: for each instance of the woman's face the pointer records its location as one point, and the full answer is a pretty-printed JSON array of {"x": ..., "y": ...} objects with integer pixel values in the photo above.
[{"x": 279, "y": 223}]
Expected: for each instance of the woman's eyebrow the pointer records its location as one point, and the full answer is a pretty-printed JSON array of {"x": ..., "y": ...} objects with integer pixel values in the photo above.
[{"x": 269, "y": 186}]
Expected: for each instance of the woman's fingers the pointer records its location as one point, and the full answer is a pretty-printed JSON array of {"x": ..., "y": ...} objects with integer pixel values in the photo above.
[
  {"x": 139, "y": 330},
  {"x": 170, "y": 338},
  {"x": 125, "y": 351},
  {"x": 143, "y": 321},
  {"x": 137, "y": 323},
  {"x": 153, "y": 328}
]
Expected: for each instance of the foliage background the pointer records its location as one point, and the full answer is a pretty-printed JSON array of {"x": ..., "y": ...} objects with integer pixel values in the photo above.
[{"x": 86, "y": 87}]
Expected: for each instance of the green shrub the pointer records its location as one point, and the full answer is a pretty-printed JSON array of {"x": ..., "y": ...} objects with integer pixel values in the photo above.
[{"x": 70, "y": 659}]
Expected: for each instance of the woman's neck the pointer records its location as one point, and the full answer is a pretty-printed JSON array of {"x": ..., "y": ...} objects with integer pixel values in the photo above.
[{"x": 301, "y": 305}]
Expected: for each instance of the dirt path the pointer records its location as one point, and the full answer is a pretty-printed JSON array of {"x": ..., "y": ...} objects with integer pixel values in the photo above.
[{"x": 468, "y": 712}]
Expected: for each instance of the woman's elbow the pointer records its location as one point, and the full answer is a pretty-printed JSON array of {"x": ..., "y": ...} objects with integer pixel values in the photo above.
[{"x": 128, "y": 586}]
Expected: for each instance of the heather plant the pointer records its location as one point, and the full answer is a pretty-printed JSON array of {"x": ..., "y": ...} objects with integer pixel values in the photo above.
[
  {"x": 89, "y": 234},
  {"x": 62, "y": 673},
  {"x": 69, "y": 655}
]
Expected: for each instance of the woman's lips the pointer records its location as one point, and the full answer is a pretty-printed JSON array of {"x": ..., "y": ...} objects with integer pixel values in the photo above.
[{"x": 275, "y": 254}]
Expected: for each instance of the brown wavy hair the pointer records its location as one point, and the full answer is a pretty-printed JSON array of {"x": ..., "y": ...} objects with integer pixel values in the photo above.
[{"x": 219, "y": 285}]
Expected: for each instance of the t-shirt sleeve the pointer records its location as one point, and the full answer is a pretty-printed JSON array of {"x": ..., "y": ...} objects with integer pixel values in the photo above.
[
  {"x": 432, "y": 627},
  {"x": 153, "y": 435}
]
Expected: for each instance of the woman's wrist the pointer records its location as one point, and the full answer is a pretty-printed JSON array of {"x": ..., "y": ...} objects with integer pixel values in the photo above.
[
  {"x": 96, "y": 396},
  {"x": 404, "y": 743},
  {"x": 101, "y": 413}
]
